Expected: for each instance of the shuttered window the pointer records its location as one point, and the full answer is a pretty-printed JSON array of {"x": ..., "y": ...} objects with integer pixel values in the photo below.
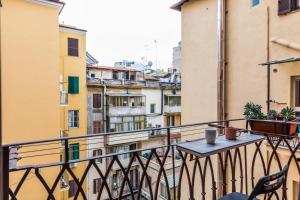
[
  {"x": 97, "y": 152},
  {"x": 284, "y": 6},
  {"x": 73, "y": 84},
  {"x": 97, "y": 100},
  {"x": 297, "y": 93},
  {"x": 96, "y": 185},
  {"x": 74, "y": 151},
  {"x": 152, "y": 108},
  {"x": 73, "y": 47},
  {"x": 97, "y": 127}
]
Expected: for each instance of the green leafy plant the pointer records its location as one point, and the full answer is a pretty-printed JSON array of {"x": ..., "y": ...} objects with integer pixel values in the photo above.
[
  {"x": 272, "y": 114},
  {"x": 253, "y": 111},
  {"x": 288, "y": 113}
]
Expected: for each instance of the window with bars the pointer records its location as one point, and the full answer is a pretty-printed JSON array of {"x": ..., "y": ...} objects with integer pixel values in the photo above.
[
  {"x": 286, "y": 6},
  {"x": 97, "y": 127},
  {"x": 97, "y": 152},
  {"x": 73, "y": 188},
  {"x": 73, "y": 47},
  {"x": 96, "y": 100},
  {"x": 73, "y": 120},
  {"x": 96, "y": 185}
]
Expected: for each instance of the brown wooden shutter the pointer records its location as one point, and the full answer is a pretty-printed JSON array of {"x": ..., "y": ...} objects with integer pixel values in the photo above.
[
  {"x": 297, "y": 93},
  {"x": 73, "y": 47},
  {"x": 96, "y": 100},
  {"x": 284, "y": 6},
  {"x": 97, "y": 126}
]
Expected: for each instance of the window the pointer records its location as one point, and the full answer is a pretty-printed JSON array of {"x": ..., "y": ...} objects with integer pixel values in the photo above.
[
  {"x": 93, "y": 75},
  {"x": 152, "y": 108},
  {"x": 126, "y": 101},
  {"x": 96, "y": 185},
  {"x": 163, "y": 191},
  {"x": 73, "y": 84},
  {"x": 63, "y": 98},
  {"x": 286, "y": 6},
  {"x": 73, "y": 47},
  {"x": 115, "y": 75},
  {"x": 73, "y": 188},
  {"x": 171, "y": 120},
  {"x": 255, "y": 2},
  {"x": 126, "y": 123},
  {"x": 297, "y": 93},
  {"x": 97, "y": 152},
  {"x": 96, "y": 100},
  {"x": 134, "y": 178},
  {"x": 97, "y": 127},
  {"x": 74, "y": 151},
  {"x": 73, "y": 118}
]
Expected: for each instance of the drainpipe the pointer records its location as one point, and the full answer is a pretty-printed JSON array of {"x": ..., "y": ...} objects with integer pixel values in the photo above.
[
  {"x": 221, "y": 59},
  {"x": 221, "y": 76},
  {"x": 1, "y": 137},
  {"x": 268, "y": 60}
]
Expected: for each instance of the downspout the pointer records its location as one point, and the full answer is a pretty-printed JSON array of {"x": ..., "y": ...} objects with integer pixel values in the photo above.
[
  {"x": 268, "y": 60},
  {"x": 221, "y": 59},
  {"x": 221, "y": 77},
  {"x": 1, "y": 136}
]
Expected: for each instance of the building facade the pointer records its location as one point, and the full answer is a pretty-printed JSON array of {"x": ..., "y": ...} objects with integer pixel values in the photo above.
[
  {"x": 253, "y": 32},
  {"x": 123, "y": 99},
  {"x": 43, "y": 88}
]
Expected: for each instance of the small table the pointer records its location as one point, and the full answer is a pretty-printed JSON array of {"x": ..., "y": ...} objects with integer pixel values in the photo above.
[{"x": 200, "y": 148}]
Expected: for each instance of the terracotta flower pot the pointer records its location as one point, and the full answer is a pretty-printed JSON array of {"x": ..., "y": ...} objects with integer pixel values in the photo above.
[{"x": 274, "y": 127}]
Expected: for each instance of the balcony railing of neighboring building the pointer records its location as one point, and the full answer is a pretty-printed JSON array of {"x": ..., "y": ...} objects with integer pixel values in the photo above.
[{"x": 46, "y": 162}]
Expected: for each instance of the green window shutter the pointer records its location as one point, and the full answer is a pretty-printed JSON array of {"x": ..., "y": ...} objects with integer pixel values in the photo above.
[
  {"x": 76, "y": 151},
  {"x": 152, "y": 108},
  {"x": 73, "y": 86}
]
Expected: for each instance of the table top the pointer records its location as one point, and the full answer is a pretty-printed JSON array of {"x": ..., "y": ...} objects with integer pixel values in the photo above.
[{"x": 200, "y": 148}]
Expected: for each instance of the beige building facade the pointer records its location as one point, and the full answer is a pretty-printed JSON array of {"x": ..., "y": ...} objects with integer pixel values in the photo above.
[{"x": 255, "y": 32}]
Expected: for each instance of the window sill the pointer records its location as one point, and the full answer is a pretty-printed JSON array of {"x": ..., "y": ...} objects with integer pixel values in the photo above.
[{"x": 289, "y": 13}]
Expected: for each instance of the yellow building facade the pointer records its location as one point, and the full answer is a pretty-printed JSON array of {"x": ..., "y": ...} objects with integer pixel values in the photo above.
[
  {"x": 43, "y": 85},
  {"x": 255, "y": 33}
]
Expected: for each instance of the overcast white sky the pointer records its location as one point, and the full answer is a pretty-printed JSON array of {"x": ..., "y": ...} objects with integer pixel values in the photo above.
[{"x": 126, "y": 29}]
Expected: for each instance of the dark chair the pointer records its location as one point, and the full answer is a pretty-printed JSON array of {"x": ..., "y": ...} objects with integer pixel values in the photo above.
[{"x": 265, "y": 185}]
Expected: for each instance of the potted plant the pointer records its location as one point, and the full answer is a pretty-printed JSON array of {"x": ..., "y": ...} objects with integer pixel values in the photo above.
[{"x": 272, "y": 123}]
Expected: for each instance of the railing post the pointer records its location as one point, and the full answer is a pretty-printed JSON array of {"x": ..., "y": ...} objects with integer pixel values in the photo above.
[
  {"x": 66, "y": 151},
  {"x": 173, "y": 171},
  {"x": 168, "y": 136},
  {"x": 4, "y": 174}
]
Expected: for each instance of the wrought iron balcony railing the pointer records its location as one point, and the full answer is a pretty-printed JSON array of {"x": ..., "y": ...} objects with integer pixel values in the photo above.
[{"x": 67, "y": 167}]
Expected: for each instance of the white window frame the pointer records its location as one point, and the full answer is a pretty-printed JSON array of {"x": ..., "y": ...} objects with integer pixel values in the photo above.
[
  {"x": 98, "y": 152},
  {"x": 72, "y": 119}
]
